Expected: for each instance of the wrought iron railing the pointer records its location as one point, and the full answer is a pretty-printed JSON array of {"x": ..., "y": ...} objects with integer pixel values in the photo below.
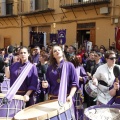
[{"x": 64, "y": 3}]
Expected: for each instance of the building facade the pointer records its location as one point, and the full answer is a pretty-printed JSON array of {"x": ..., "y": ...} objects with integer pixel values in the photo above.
[{"x": 93, "y": 20}]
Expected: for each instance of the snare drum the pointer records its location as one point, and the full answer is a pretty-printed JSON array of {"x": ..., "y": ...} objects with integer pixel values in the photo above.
[
  {"x": 5, "y": 85},
  {"x": 91, "y": 89},
  {"x": 102, "y": 112},
  {"x": 49, "y": 110},
  {"x": 9, "y": 110}
]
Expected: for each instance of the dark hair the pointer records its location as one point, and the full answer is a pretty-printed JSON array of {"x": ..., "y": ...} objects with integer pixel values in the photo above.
[
  {"x": 10, "y": 49},
  {"x": 53, "y": 61},
  {"x": 75, "y": 60},
  {"x": 45, "y": 56},
  {"x": 108, "y": 53},
  {"x": 99, "y": 54},
  {"x": 24, "y": 47},
  {"x": 37, "y": 47}
]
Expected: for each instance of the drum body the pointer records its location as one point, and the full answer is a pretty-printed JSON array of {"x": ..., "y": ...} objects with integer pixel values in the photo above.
[
  {"x": 10, "y": 109},
  {"x": 102, "y": 112},
  {"x": 48, "y": 110},
  {"x": 90, "y": 89},
  {"x": 5, "y": 85}
]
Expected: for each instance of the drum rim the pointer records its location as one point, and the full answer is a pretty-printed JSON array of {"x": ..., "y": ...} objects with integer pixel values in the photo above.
[
  {"x": 4, "y": 118},
  {"x": 47, "y": 114},
  {"x": 17, "y": 97},
  {"x": 100, "y": 106}
]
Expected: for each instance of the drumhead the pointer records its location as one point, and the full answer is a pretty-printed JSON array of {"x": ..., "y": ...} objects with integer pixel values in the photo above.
[
  {"x": 42, "y": 111},
  {"x": 91, "y": 89},
  {"x": 102, "y": 112}
]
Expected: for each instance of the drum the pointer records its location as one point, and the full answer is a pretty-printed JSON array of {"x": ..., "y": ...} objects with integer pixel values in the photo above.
[
  {"x": 102, "y": 112},
  {"x": 8, "y": 111},
  {"x": 49, "y": 110},
  {"x": 90, "y": 89},
  {"x": 5, "y": 85}
]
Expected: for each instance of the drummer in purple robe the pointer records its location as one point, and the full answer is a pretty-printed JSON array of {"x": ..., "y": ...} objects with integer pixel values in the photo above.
[
  {"x": 53, "y": 75},
  {"x": 83, "y": 77},
  {"x": 29, "y": 85},
  {"x": 36, "y": 56}
]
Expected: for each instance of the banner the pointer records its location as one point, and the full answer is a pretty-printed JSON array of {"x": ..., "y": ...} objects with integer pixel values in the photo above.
[
  {"x": 53, "y": 38},
  {"x": 36, "y": 39},
  {"x": 117, "y": 36},
  {"x": 62, "y": 37}
]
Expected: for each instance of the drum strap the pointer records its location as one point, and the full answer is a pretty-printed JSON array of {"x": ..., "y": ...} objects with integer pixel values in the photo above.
[
  {"x": 14, "y": 88},
  {"x": 103, "y": 83}
]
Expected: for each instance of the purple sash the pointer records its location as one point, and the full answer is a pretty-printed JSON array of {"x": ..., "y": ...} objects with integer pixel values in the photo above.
[
  {"x": 111, "y": 101},
  {"x": 63, "y": 85},
  {"x": 14, "y": 88}
]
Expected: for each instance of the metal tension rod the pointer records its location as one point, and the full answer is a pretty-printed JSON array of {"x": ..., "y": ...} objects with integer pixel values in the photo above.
[
  {"x": 44, "y": 17},
  {"x": 95, "y": 10},
  {"x": 36, "y": 19},
  {"x": 73, "y": 12},
  {"x": 63, "y": 13},
  {"x": 4, "y": 21},
  {"x": 22, "y": 20},
  {"x": 29, "y": 20},
  {"x": 10, "y": 21},
  {"x": 84, "y": 10},
  {"x": 16, "y": 20},
  {"x": 52, "y": 15},
  {"x": 1, "y": 23}
]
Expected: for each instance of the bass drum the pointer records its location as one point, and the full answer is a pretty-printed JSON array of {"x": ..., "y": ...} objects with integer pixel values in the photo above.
[
  {"x": 8, "y": 111},
  {"x": 49, "y": 110},
  {"x": 102, "y": 112}
]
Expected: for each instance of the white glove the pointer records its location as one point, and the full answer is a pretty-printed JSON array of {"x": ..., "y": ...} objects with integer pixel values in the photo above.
[
  {"x": 95, "y": 81},
  {"x": 26, "y": 98}
]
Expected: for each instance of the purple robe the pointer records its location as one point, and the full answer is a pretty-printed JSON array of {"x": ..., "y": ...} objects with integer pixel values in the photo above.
[
  {"x": 52, "y": 76},
  {"x": 79, "y": 94},
  {"x": 35, "y": 58},
  {"x": 31, "y": 81},
  {"x": 81, "y": 71}
]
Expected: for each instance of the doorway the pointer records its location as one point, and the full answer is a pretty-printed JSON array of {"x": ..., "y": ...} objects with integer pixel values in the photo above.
[
  {"x": 82, "y": 35},
  {"x": 7, "y": 42}
]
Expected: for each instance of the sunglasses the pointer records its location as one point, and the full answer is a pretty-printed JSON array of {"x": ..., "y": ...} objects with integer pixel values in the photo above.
[
  {"x": 112, "y": 58},
  {"x": 96, "y": 55}
]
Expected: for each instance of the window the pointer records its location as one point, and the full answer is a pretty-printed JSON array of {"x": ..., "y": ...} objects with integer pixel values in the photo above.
[{"x": 9, "y": 8}]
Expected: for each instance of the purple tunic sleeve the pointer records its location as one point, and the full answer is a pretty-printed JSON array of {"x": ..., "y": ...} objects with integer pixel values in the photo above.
[
  {"x": 83, "y": 75},
  {"x": 31, "y": 81}
]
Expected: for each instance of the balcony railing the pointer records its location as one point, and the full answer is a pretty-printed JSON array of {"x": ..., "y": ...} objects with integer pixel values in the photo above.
[
  {"x": 77, "y": 3},
  {"x": 35, "y": 7}
]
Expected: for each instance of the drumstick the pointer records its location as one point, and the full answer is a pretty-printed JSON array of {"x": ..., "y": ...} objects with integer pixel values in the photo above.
[
  {"x": 44, "y": 76},
  {"x": 116, "y": 71},
  {"x": 117, "y": 80}
]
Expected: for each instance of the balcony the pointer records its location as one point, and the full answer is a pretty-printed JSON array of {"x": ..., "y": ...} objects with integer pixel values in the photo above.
[
  {"x": 34, "y": 7},
  {"x": 81, "y": 3},
  {"x": 37, "y": 12}
]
